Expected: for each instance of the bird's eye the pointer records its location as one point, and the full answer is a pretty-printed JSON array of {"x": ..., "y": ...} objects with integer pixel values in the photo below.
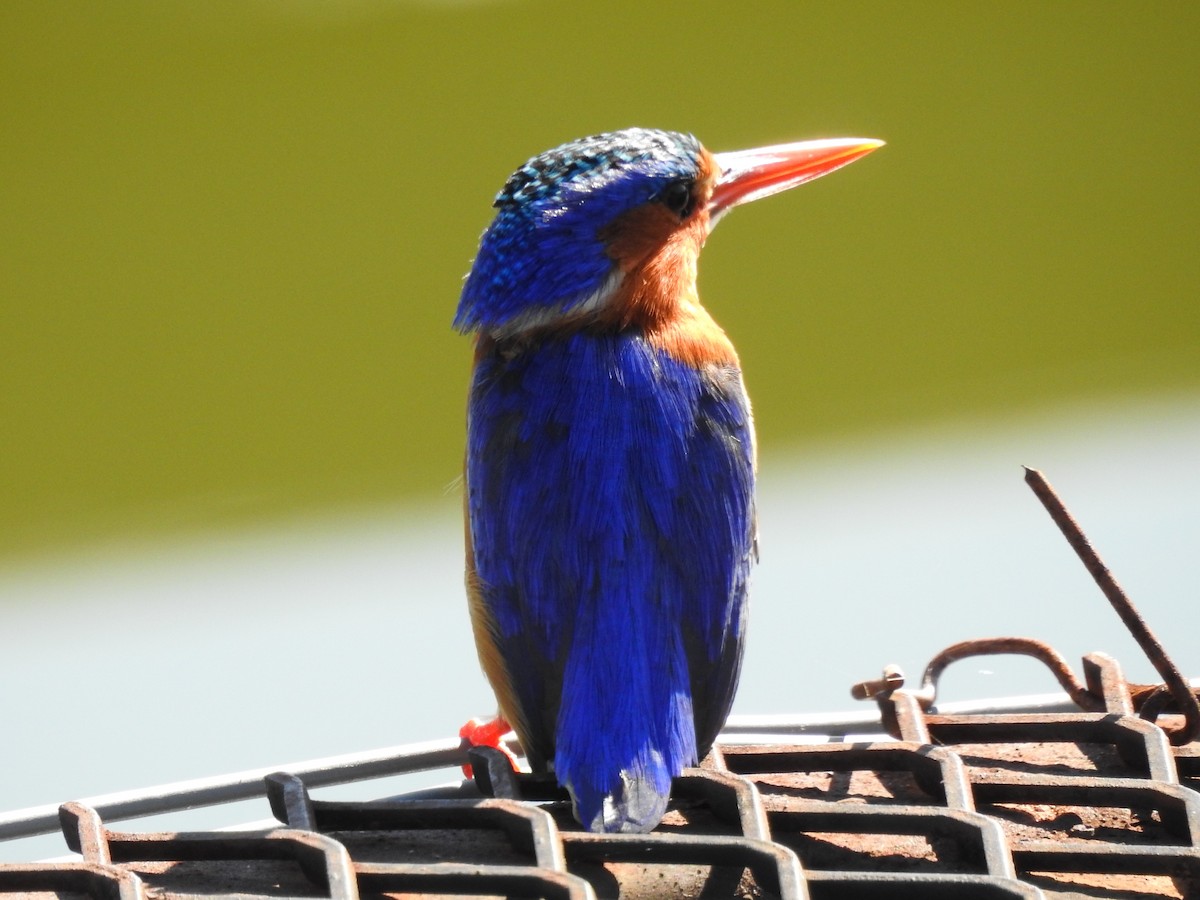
[{"x": 677, "y": 197}]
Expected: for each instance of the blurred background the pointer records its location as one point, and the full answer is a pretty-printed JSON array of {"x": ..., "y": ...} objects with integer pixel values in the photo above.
[{"x": 231, "y": 403}]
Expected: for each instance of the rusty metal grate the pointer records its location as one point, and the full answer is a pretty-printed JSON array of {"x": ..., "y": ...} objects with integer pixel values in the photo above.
[{"x": 987, "y": 804}]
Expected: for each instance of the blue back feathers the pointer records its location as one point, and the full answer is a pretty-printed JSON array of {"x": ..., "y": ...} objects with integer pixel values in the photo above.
[
  {"x": 543, "y": 249},
  {"x": 611, "y": 498}
]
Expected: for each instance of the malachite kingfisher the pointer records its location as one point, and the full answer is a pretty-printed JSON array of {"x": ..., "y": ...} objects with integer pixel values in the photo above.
[{"x": 611, "y": 461}]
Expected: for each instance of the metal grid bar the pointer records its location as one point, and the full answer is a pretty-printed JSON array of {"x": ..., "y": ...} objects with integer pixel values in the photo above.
[
  {"x": 937, "y": 771},
  {"x": 98, "y": 882},
  {"x": 928, "y": 886},
  {"x": 325, "y": 863},
  {"x": 980, "y": 841},
  {"x": 460, "y": 878},
  {"x": 529, "y": 830},
  {"x": 776, "y": 868}
]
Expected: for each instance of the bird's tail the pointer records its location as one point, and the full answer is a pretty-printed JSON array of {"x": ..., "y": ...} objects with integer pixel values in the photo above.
[{"x": 634, "y": 804}]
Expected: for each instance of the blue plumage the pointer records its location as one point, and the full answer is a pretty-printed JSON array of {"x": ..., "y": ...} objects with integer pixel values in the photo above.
[
  {"x": 610, "y": 460},
  {"x": 611, "y": 510}
]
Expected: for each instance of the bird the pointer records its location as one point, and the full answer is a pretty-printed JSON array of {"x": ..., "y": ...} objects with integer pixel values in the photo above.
[{"x": 610, "y": 460}]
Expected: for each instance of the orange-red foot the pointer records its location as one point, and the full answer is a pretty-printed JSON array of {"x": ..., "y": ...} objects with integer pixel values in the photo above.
[{"x": 487, "y": 733}]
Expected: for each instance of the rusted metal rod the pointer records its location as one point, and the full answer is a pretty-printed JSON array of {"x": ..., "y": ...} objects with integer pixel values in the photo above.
[
  {"x": 1019, "y": 646},
  {"x": 1178, "y": 686}
]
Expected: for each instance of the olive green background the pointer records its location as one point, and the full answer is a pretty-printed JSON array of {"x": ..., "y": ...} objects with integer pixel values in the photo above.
[{"x": 232, "y": 233}]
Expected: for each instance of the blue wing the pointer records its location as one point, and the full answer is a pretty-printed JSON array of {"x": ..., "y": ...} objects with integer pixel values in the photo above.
[{"x": 610, "y": 503}]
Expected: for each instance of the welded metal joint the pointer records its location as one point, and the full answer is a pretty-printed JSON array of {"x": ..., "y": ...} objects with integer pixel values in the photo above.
[
  {"x": 493, "y": 773},
  {"x": 879, "y": 688},
  {"x": 85, "y": 833},
  {"x": 732, "y": 799},
  {"x": 290, "y": 802}
]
